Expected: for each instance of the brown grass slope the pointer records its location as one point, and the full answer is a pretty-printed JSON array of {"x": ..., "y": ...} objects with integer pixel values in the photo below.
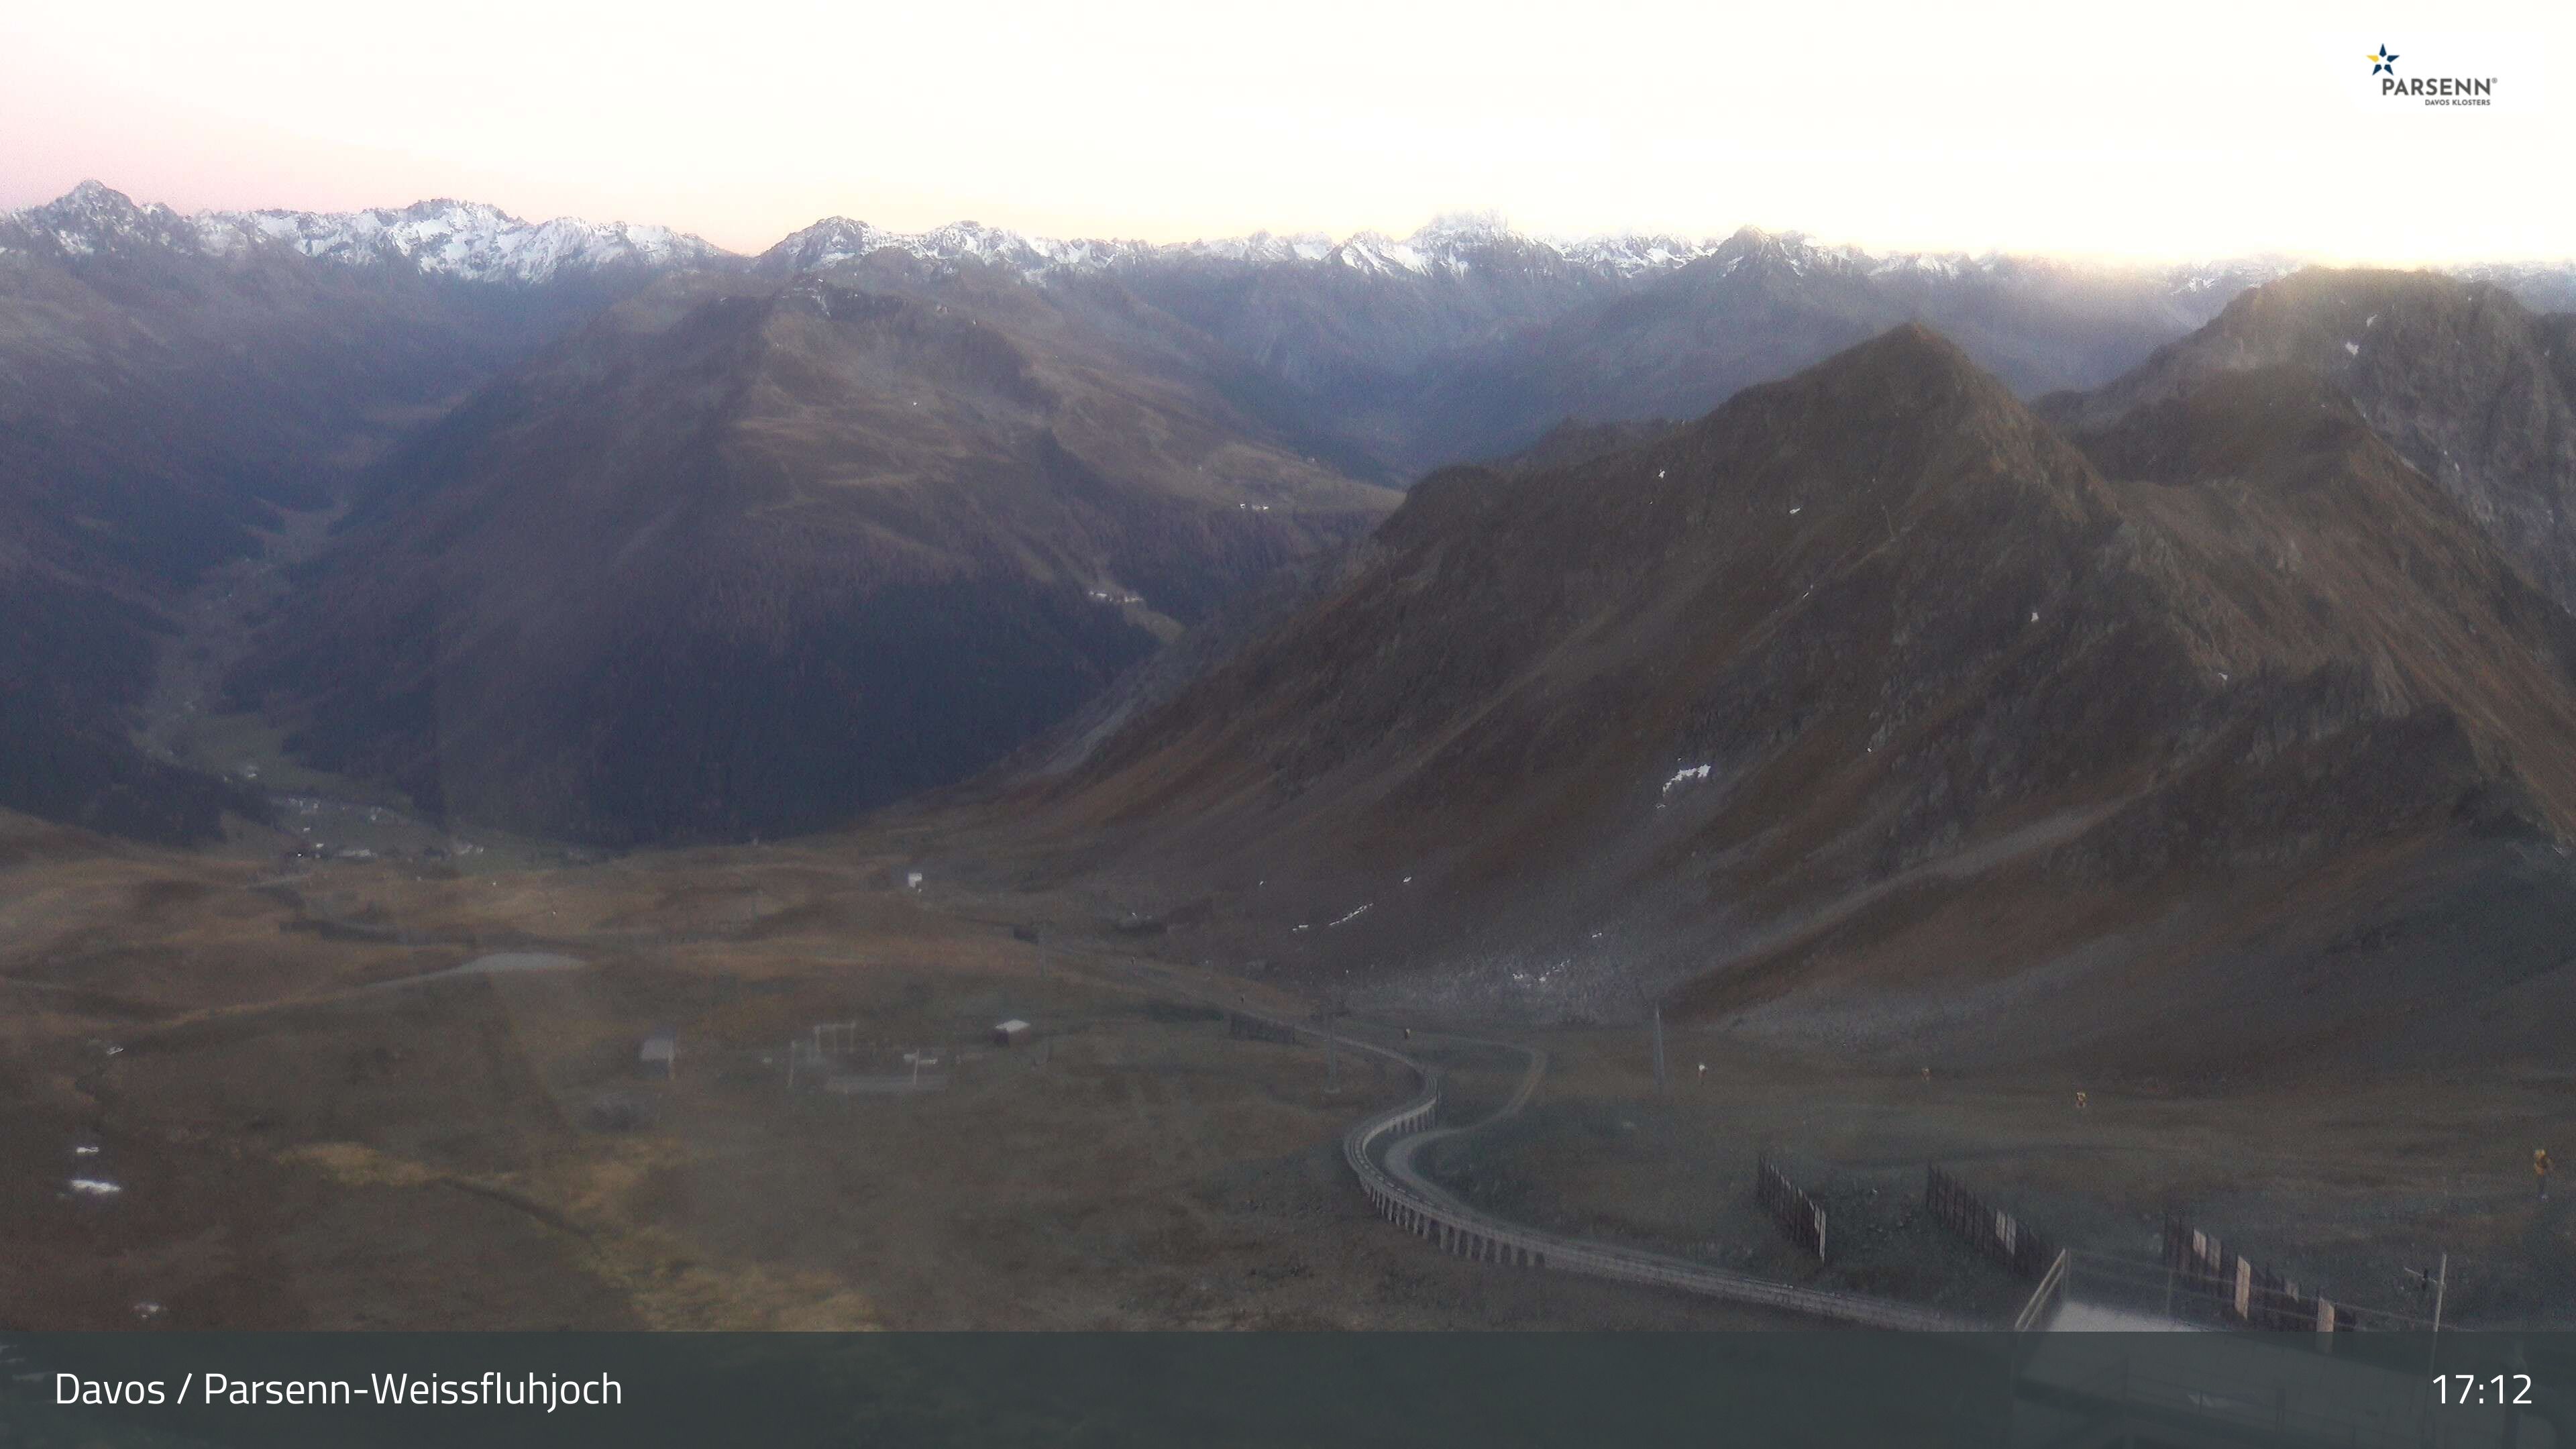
[
  {"x": 1929, "y": 651},
  {"x": 748, "y": 554}
]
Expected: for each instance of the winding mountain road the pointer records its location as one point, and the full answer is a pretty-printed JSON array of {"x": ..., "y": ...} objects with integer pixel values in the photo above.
[{"x": 1382, "y": 1148}]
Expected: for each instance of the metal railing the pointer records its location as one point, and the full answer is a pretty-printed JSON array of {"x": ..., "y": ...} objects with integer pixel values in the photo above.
[
  {"x": 1428, "y": 1213},
  {"x": 2044, "y": 1297}
]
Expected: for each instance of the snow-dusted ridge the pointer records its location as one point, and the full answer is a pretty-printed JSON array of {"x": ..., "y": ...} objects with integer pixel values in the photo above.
[
  {"x": 477, "y": 242},
  {"x": 470, "y": 241},
  {"x": 1449, "y": 246},
  {"x": 1454, "y": 246},
  {"x": 838, "y": 239}
]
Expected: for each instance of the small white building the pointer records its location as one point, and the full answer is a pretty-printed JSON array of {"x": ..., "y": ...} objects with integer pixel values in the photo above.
[
  {"x": 1011, "y": 1032},
  {"x": 661, "y": 1052}
]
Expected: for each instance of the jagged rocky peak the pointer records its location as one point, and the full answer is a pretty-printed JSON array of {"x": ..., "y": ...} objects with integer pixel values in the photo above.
[
  {"x": 91, "y": 198},
  {"x": 832, "y": 239},
  {"x": 2457, "y": 375},
  {"x": 91, "y": 218},
  {"x": 1260, "y": 247}
]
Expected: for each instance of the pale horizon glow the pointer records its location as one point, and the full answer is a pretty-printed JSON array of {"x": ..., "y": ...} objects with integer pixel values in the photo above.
[{"x": 2148, "y": 133}]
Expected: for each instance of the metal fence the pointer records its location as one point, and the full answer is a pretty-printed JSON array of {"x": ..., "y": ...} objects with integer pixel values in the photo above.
[
  {"x": 2208, "y": 1280},
  {"x": 1799, "y": 1216},
  {"x": 830, "y": 1058},
  {"x": 2242, "y": 1290},
  {"x": 1457, "y": 1228},
  {"x": 1992, "y": 1231}
]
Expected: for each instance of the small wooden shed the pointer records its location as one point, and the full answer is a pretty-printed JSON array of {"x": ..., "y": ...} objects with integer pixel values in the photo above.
[{"x": 1011, "y": 1032}]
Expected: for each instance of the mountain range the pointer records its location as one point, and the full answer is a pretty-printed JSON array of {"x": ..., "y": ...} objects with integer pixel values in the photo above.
[{"x": 637, "y": 539}]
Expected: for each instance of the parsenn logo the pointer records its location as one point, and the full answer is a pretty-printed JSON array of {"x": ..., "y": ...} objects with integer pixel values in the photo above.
[{"x": 2433, "y": 90}]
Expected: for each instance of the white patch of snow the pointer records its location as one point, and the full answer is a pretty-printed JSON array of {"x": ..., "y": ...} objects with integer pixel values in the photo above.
[
  {"x": 1355, "y": 915},
  {"x": 95, "y": 1187},
  {"x": 1685, "y": 775}
]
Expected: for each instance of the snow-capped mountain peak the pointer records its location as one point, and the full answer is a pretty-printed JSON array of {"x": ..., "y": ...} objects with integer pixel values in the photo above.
[
  {"x": 1376, "y": 252},
  {"x": 471, "y": 241},
  {"x": 89, "y": 219}
]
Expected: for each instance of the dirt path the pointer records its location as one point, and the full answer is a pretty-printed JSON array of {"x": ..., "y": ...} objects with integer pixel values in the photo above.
[{"x": 498, "y": 963}]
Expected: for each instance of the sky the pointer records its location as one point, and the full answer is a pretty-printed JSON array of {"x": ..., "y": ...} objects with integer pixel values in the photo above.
[{"x": 2143, "y": 131}]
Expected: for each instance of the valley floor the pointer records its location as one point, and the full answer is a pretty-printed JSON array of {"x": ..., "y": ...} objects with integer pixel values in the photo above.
[
  {"x": 292, "y": 1109},
  {"x": 398, "y": 1093}
]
